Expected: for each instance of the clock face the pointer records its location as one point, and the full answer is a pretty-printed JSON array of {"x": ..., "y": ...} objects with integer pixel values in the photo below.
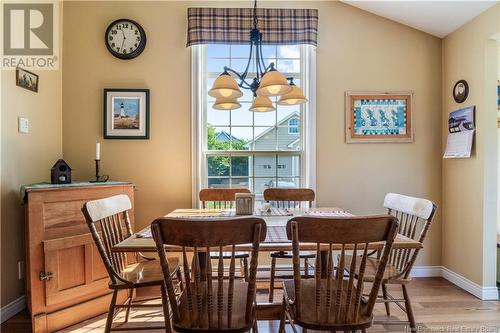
[{"x": 125, "y": 39}]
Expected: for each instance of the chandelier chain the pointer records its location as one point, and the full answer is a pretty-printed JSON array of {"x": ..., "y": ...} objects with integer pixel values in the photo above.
[{"x": 255, "y": 19}]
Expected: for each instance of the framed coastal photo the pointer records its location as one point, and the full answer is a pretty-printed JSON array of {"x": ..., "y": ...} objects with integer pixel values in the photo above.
[
  {"x": 126, "y": 113},
  {"x": 378, "y": 117},
  {"x": 26, "y": 79}
]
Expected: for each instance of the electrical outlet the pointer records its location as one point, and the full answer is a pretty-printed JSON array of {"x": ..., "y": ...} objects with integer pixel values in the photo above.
[
  {"x": 23, "y": 125},
  {"x": 20, "y": 270}
]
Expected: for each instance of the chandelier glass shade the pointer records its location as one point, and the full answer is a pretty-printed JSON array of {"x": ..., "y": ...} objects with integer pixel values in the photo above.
[
  {"x": 267, "y": 81},
  {"x": 225, "y": 86},
  {"x": 226, "y": 103},
  {"x": 262, "y": 104},
  {"x": 294, "y": 97}
]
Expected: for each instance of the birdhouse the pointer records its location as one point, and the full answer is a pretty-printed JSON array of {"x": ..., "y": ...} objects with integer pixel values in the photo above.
[{"x": 60, "y": 173}]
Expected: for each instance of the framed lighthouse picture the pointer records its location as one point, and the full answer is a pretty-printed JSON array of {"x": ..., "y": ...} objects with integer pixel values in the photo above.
[{"x": 126, "y": 113}]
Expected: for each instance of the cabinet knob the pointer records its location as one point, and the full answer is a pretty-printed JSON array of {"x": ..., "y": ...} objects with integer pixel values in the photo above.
[{"x": 45, "y": 276}]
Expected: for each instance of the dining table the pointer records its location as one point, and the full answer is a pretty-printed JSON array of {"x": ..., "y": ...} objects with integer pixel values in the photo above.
[{"x": 276, "y": 238}]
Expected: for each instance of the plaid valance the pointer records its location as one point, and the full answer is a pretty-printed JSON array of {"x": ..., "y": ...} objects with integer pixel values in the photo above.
[{"x": 233, "y": 25}]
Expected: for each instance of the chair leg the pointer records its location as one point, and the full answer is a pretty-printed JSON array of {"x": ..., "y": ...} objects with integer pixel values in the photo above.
[
  {"x": 245, "y": 268},
  {"x": 179, "y": 277},
  {"x": 130, "y": 299},
  {"x": 166, "y": 312},
  {"x": 283, "y": 317},
  {"x": 111, "y": 312},
  {"x": 384, "y": 293},
  {"x": 409, "y": 310},
  {"x": 255, "y": 329},
  {"x": 271, "y": 282},
  {"x": 306, "y": 270},
  {"x": 242, "y": 270}
]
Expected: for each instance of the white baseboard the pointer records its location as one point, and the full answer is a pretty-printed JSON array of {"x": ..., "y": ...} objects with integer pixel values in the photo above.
[
  {"x": 483, "y": 293},
  {"x": 426, "y": 271},
  {"x": 13, "y": 308}
]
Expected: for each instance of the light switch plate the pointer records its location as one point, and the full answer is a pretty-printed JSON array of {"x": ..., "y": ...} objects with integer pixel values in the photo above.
[{"x": 23, "y": 125}]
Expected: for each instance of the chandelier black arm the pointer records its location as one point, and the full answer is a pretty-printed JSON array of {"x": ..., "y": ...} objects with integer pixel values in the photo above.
[{"x": 242, "y": 79}]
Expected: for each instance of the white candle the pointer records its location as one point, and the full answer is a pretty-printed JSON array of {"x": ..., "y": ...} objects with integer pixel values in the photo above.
[{"x": 98, "y": 151}]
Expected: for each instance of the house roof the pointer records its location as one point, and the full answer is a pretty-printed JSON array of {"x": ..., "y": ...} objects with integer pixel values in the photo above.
[
  {"x": 225, "y": 136},
  {"x": 291, "y": 115}
]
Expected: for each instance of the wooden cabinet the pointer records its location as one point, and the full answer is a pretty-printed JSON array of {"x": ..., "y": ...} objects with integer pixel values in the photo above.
[{"x": 66, "y": 280}]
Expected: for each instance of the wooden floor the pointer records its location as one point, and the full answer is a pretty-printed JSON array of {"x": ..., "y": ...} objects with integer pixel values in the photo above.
[{"x": 439, "y": 307}]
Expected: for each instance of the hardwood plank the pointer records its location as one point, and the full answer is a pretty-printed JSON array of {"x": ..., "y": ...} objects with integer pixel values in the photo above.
[{"x": 438, "y": 304}]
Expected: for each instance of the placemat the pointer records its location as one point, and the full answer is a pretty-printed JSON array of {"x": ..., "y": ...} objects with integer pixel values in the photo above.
[{"x": 275, "y": 234}]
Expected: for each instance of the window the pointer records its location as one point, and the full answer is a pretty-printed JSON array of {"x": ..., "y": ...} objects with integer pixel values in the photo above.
[
  {"x": 293, "y": 126},
  {"x": 240, "y": 148}
]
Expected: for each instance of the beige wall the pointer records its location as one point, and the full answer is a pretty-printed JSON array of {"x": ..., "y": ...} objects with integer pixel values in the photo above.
[
  {"x": 357, "y": 51},
  {"x": 26, "y": 158},
  {"x": 469, "y": 186}
]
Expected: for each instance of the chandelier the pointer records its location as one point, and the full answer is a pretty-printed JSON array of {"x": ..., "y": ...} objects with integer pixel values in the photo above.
[{"x": 267, "y": 83}]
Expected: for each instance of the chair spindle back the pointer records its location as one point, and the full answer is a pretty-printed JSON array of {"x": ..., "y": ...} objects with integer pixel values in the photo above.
[
  {"x": 220, "y": 197},
  {"x": 209, "y": 236},
  {"x": 289, "y": 197},
  {"x": 338, "y": 298},
  {"x": 415, "y": 216},
  {"x": 109, "y": 224}
]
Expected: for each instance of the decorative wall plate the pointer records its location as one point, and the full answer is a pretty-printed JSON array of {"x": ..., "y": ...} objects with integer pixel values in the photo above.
[{"x": 461, "y": 91}]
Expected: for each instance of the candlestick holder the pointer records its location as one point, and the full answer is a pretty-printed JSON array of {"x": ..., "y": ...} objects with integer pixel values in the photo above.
[{"x": 98, "y": 177}]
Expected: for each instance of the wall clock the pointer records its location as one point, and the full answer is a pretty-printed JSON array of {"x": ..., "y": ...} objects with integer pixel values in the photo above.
[
  {"x": 461, "y": 91},
  {"x": 125, "y": 39}
]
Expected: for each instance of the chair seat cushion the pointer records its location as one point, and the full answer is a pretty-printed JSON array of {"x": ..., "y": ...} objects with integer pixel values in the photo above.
[
  {"x": 335, "y": 317},
  {"x": 390, "y": 275},
  {"x": 191, "y": 320},
  {"x": 145, "y": 273}
]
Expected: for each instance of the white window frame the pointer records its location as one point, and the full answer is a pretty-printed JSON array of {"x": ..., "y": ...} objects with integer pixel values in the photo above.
[{"x": 198, "y": 114}]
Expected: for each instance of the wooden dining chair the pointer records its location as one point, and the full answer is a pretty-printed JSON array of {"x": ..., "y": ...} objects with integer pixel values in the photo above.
[
  {"x": 109, "y": 224},
  {"x": 210, "y": 303},
  {"x": 222, "y": 198},
  {"x": 415, "y": 216},
  {"x": 333, "y": 301},
  {"x": 288, "y": 198}
]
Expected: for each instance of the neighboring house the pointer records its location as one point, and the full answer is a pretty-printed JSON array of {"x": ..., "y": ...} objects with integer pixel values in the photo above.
[
  {"x": 225, "y": 137},
  {"x": 287, "y": 137}
]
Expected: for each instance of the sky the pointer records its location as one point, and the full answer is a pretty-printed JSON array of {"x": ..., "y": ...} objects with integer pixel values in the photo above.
[{"x": 131, "y": 106}]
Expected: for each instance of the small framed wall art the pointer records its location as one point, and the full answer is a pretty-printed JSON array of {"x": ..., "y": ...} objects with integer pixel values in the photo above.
[
  {"x": 126, "y": 113},
  {"x": 26, "y": 79},
  {"x": 460, "y": 91},
  {"x": 375, "y": 117}
]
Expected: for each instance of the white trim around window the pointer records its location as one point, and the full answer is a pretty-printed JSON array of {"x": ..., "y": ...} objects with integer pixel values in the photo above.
[{"x": 198, "y": 130}]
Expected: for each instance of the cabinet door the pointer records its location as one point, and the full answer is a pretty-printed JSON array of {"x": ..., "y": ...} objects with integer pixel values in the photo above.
[{"x": 76, "y": 269}]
